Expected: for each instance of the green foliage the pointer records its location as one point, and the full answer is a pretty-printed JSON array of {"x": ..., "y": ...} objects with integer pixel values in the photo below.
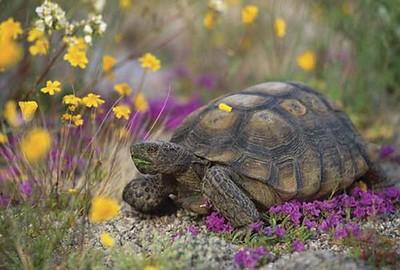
[{"x": 32, "y": 237}]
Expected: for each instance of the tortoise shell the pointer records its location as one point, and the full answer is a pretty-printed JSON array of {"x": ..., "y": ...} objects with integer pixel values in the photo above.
[{"x": 285, "y": 135}]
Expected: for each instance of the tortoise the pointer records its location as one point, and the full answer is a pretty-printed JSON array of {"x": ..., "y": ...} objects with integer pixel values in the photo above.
[{"x": 280, "y": 141}]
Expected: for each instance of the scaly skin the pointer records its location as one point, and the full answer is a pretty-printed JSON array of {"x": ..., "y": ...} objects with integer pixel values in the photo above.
[
  {"x": 148, "y": 194},
  {"x": 228, "y": 198}
]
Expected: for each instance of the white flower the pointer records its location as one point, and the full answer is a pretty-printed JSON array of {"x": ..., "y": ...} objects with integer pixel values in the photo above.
[
  {"x": 88, "y": 39},
  {"x": 217, "y": 5},
  {"x": 87, "y": 29}
]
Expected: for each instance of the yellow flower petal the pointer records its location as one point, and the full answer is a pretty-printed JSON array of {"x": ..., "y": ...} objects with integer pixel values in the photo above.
[
  {"x": 71, "y": 100},
  {"x": 307, "y": 60},
  {"x": 141, "y": 103},
  {"x": 249, "y": 14},
  {"x": 122, "y": 111},
  {"x": 280, "y": 27},
  {"x": 28, "y": 109},
  {"x": 149, "y": 61},
  {"x": 10, "y": 113},
  {"x": 3, "y": 138},
  {"x": 224, "y": 107},
  {"x": 51, "y": 88},
  {"x": 108, "y": 63},
  {"x": 150, "y": 267},
  {"x": 107, "y": 240},
  {"x": 10, "y": 29},
  {"x": 210, "y": 19},
  {"x": 36, "y": 144},
  {"x": 103, "y": 209},
  {"x": 92, "y": 100},
  {"x": 123, "y": 89}
]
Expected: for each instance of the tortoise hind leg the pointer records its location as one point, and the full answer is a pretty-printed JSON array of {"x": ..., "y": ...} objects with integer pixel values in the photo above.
[
  {"x": 228, "y": 198},
  {"x": 376, "y": 178}
]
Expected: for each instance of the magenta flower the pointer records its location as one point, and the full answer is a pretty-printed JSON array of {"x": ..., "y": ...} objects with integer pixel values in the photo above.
[
  {"x": 309, "y": 223},
  {"x": 298, "y": 246},
  {"x": 386, "y": 151},
  {"x": 353, "y": 229},
  {"x": 268, "y": 231},
  {"x": 256, "y": 226},
  {"x": 26, "y": 188},
  {"x": 340, "y": 233},
  {"x": 311, "y": 208},
  {"x": 249, "y": 257},
  {"x": 280, "y": 231},
  {"x": 193, "y": 230},
  {"x": 217, "y": 223}
]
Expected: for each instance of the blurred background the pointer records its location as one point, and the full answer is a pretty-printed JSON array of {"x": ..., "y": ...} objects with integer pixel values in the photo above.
[{"x": 347, "y": 49}]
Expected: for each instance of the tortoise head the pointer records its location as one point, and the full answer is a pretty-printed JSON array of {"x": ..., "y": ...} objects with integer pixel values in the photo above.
[{"x": 160, "y": 157}]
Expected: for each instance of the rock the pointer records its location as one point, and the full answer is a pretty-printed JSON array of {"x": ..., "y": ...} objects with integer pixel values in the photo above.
[{"x": 321, "y": 260}]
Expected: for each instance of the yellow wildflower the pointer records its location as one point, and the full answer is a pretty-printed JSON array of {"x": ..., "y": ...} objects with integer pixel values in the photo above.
[
  {"x": 35, "y": 144},
  {"x": 35, "y": 34},
  {"x": 92, "y": 100},
  {"x": 28, "y": 109},
  {"x": 149, "y": 61},
  {"x": 66, "y": 117},
  {"x": 123, "y": 89},
  {"x": 141, "y": 103},
  {"x": 210, "y": 19},
  {"x": 224, "y": 107},
  {"x": 307, "y": 60},
  {"x": 249, "y": 14},
  {"x": 125, "y": 4},
  {"x": 41, "y": 43},
  {"x": 108, "y": 63},
  {"x": 150, "y": 267},
  {"x": 122, "y": 111},
  {"x": 107, "y": 240},
  {"x": 103, "y": 209},
  {"x": 10, "y": 53},
  {"x": 280, "y": 27},
  {"x": 10, "y": 113},
  {"x": 71, "y": 100},
  {"x": 10, "y": 29},
  {"x": 3, "y": 138},
  {"x": 41, "y": 46},
  {"x": 77, "y": 119},
  {"x": 51, "y": 88},
  {"x": 76, "y": 57}
]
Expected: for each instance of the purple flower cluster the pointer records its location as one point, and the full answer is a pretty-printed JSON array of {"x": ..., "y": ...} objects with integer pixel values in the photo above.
[
  {"x": 249, "y": 257},
  {"x": 335, "y": 214},
  {"x": 298, "y": 246},
  {"x": 217, "y": 223}
]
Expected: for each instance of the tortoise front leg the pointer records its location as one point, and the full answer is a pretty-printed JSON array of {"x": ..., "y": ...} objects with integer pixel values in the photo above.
[{"x": 220, "y": 188}]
